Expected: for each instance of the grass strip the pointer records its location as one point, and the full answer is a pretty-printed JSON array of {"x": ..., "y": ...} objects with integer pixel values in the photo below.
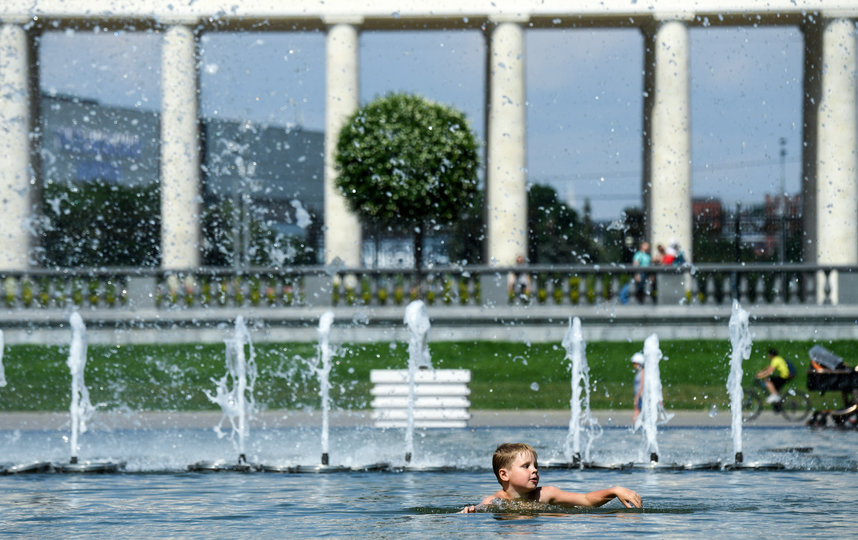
[{"x": 505, "y": 375}]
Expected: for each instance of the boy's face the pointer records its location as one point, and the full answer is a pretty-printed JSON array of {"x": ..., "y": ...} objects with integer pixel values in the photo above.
[{"x": 523, "y": 474}]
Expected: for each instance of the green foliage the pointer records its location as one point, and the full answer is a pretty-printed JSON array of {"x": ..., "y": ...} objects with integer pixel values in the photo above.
[
  {"x": 101, "y": 224},
  {"x": 556, "y": 234},
  {"x": 404, "y": 161}
]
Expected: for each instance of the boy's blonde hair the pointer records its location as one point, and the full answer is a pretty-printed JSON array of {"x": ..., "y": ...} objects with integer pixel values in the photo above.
[{"x": 506, "y": 453}]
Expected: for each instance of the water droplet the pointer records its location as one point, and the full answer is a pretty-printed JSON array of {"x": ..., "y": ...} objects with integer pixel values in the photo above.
[{"x": 534, "y": 386}]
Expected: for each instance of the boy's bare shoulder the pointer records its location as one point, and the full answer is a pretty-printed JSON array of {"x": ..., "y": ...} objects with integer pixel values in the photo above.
[
  {"x": 548, "y": 493},
  {"x": 500, "y": 494}
]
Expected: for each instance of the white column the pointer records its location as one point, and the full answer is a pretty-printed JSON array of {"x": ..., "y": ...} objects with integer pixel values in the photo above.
[
  {"x": 837, "y": 142},
  {"x": 180, "y": 151},
  {"x": 836, "y": 160},
  {"x": 667, "y": 125},
  {"x": 506, "y": 153},
  {"x": 342, "y": 228},
  {"x": 16, "y": 188}
]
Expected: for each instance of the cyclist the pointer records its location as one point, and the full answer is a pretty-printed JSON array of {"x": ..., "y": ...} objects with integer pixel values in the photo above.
[{"x": 777, "y": 374}]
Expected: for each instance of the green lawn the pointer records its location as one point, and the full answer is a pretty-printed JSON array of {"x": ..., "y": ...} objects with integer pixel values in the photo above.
[{"x": 504, "y": 375}]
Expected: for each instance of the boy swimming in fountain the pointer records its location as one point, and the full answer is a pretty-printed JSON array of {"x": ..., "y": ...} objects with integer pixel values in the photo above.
[{"x": 517, "y": 471}]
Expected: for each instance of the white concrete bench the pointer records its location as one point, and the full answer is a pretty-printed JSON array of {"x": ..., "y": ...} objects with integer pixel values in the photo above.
[{"x": 440, "y": 398}]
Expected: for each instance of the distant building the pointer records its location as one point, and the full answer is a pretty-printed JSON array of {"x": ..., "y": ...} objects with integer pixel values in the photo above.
[
  {"x": 83, "y": 140},
  {"x": 708, "y": 215}
]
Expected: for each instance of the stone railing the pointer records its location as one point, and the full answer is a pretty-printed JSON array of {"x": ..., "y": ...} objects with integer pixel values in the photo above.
[{"x": 135, "y": 289}]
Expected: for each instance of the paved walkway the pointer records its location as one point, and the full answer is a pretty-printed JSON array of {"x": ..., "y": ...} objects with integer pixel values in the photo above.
[{"x": 283, "y": 418}]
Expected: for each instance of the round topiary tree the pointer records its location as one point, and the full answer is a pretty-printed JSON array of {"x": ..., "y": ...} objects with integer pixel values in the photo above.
[{"x": 404, "y": 160}]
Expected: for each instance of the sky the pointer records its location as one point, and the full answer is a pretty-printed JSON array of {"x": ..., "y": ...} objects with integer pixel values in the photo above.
[{"x": 584, "y": 96}]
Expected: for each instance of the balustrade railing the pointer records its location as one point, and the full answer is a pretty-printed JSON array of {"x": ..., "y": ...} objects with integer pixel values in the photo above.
[{"x": 711, "y": 284}]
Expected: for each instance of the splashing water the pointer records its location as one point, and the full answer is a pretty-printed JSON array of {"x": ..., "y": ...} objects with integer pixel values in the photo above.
[
  {"x": 417, "y": 320},
  {"x": 581, "y": 416},
  {"x": 652, "y": 410},
  {"x": 324, "y": 373},
  {"x": 741, "y": 341},
  {"x": 237, "y": 401},
  {"x": 2, "y": 371},
  {"x": 302, "y": 217},
  {"x": 81, "y": 408}
]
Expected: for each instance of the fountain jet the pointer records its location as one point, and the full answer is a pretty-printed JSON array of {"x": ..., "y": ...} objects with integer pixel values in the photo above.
[
  {"x": 741, "y": 341},
  {"x": 236, "y": 399},
  {"x": 417, "y": 321},
  {"x": 324, "y": 372},
  {"x": 81, "y": 408},
  {"x": 652, "y": 411},
  {"x": 581, "y": 416}
]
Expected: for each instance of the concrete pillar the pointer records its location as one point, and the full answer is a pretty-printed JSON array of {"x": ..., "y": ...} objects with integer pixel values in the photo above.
[
  {"x": 506, "y": 153},
  {"x": 836, "y": 161},
  {"x": 180, "y": 151},
  {"x": 667, "y": 135},
  {"x": 17, "y": 185},
  {"x": 829, "y": 162},
  {"x": 342, "y": 92}
]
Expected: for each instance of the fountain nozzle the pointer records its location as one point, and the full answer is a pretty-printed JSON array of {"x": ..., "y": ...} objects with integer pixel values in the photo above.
[
  {"x": 739, "y": 457},
  {"x": 241, "y": 459},
  {"x": 73, "y": 460},
  {"x": 407, "y": 457},
  {"x": 653, "y": 457},
  {"x": 576, "y": 459},
  {"x": 325, "y": 458}
]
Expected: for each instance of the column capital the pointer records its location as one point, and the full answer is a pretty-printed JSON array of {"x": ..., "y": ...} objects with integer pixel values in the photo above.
[
  {"x": 514, "y": 18},
  {"x": 179, "y": 20},
  {"x": 819, "y": 22},
  {"x": 19, "y": 19},
  {"x": 651, "y": 27},
  {"x": 847, "y": 14},
  {"x": 674, "y": 16},
  {"x": 352, "y": 20}
]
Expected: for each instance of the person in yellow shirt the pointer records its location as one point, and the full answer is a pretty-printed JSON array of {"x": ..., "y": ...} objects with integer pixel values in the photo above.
[{"x": 777, "y": 374}]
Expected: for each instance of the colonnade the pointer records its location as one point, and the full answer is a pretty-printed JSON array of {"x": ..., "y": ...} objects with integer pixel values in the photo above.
[{"x": 830, "y": 164}]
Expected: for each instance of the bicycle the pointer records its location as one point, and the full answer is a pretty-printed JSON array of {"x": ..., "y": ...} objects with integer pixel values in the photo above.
[{"x": 794, "y": 406}]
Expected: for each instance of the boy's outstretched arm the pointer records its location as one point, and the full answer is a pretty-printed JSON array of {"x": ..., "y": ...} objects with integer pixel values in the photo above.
[{"x": 553, "y": 495}]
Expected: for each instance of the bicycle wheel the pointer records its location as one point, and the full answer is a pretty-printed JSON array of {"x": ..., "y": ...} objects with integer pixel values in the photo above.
[
  {"x": 795, "y": 407},
  {"x": 752, "y": 404}
]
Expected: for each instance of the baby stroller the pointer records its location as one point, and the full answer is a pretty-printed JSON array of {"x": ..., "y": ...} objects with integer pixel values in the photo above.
[{"x": 829, "y": 372}]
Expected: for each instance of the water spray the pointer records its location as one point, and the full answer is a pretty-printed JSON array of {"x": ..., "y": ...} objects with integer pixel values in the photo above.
[
  {"x": 81, "y": 408},
  {"x": 417, "y": 320},
  {"x": 573, "y": 342},
  {"x": 652, "y": 397},
  {"x": 741, "y": 341},
  {"x": 324, "y": 372},
  {"x": 234, "y": 392}
]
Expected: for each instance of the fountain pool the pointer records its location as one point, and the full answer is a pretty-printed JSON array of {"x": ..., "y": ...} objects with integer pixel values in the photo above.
[
  {"x": 792, "y": 479},
  {"x": 814, "y": 492}
]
